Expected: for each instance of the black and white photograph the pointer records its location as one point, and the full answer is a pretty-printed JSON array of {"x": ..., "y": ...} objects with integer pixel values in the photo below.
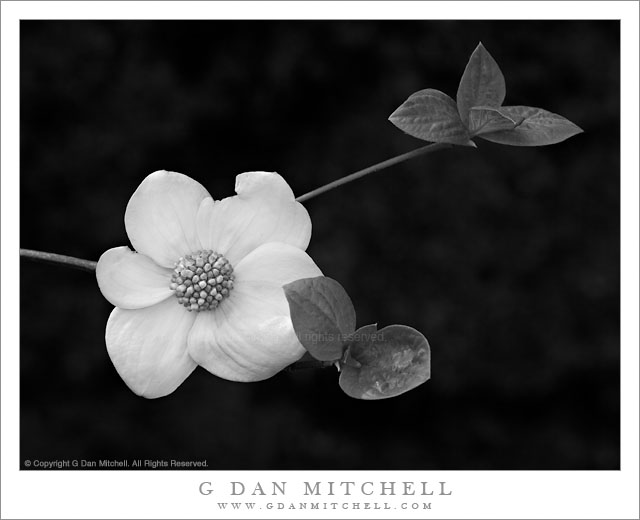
[{"x": 319, "y": 245}]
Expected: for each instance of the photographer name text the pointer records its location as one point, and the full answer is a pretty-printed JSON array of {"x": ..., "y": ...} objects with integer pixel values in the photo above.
[{"x": 328, "y": 488}]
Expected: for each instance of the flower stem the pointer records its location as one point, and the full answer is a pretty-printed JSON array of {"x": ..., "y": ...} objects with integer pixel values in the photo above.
[
  {"x": 88, "y": 265},
  {"x": 305, "y": 364},
  {"x": 52, "y": 258},
  {"x": 372, "y": 169}
]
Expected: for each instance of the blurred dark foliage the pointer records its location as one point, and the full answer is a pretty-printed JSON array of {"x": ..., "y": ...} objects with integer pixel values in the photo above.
[{"x": 507, "y": 259}]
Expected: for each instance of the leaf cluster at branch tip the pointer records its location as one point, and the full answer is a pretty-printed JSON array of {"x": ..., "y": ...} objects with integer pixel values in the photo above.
[{"x": 431, "y": 115}]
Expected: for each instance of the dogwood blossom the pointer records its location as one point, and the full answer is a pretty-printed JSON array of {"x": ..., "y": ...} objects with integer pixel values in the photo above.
[{"x": 204, "y": 284}]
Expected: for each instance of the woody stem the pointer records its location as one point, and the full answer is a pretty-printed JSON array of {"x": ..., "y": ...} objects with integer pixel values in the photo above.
[
  {"x": 88, "y": 265},
  {"x": 372, "y": 169},
  {"x": 52, "y": 258}
]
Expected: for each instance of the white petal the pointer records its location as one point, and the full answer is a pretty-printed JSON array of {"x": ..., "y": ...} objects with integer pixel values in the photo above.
[
  {"x": 131, "y": 280},
  {"x": 161, "y": 216},
  {"x": 148, "y": 347},
  {"x": 264, "y": 211},
  {"x": 250, "y": 337}
]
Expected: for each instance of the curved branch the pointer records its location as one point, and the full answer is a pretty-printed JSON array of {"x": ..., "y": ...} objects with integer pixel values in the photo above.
[
  {"x": 372, "y": 169},
  {"x": 89, "y": 265},
  {"x": 52, "y": 258}
]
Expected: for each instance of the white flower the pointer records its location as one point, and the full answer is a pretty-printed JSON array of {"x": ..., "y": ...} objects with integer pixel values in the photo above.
[{"x": 235, "y": 254}]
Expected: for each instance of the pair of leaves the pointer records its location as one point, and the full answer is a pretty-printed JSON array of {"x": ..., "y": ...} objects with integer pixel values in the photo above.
[
  {"x": 373, "y": 364},
  {"x": 431, "y": 115}
]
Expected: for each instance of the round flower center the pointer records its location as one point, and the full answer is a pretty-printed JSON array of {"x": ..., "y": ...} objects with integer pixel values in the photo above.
[{"x": 202, "y": 280}]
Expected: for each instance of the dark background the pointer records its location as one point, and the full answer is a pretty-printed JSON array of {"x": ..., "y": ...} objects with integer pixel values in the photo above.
[{"x": 506, "y": 258}]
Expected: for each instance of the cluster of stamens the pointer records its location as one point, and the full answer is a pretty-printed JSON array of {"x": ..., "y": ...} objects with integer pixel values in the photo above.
[{"x": 202, "y": 280}]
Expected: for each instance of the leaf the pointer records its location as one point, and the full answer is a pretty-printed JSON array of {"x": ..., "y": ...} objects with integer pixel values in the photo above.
[
  {"x": 391, "y": 361},
  {"x": 482, "y": 84},
  {"x": 431, "y": 115},
  {"x": 483, "y": 120},
  {"x": 322, "y": 314},
  {"x": 538, "y": 128}
]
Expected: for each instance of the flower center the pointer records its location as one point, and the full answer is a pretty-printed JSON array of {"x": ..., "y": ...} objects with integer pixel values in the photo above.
[{"x": 202, "y": 280}]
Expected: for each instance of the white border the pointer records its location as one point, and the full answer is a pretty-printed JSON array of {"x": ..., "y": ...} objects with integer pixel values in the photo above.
[{"x": 543, "y": 494}]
